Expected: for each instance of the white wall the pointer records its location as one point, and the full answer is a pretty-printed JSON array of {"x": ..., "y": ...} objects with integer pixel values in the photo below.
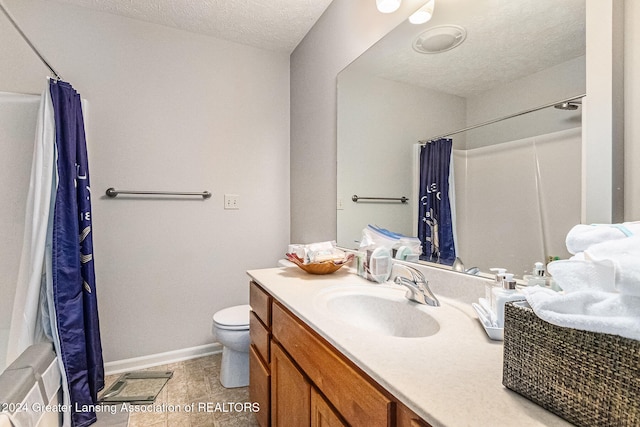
[
  {"x": 603, "y": 133},
  {"x": 168, "y": 110},
  {"x": 379, "y": 122},
  {"x": 553, "y": 84},
  {"x": 631, "y": 111},
  {"x": 345, "y": 30}
]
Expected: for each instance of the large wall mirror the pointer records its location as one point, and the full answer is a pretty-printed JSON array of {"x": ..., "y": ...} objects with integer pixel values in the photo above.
[{"x": 517, "y": 182}]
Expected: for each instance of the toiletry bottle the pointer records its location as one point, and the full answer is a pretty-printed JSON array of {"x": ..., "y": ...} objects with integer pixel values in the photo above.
[
  {"x": 503, "y": 295},
  {"x": 497, "y": 283},
  {"x": 538, "y": 277}
]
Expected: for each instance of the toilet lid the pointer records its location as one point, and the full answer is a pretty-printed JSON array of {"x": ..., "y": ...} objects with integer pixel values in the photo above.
[{"x": 236, "y": 317}]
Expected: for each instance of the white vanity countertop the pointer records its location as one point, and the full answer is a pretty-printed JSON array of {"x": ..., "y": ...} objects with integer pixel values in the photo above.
[{"x": 452, "y": 378}]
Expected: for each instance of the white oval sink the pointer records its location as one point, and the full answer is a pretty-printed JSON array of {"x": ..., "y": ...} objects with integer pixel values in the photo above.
[{"x": 378, "y": 309}]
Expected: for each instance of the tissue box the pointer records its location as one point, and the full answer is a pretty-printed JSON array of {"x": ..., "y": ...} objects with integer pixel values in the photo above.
[{"x": 587, "y": 378}]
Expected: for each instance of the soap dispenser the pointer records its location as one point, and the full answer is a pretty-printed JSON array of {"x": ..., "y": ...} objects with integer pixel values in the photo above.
[
  {"x": 538, "y": 277},
  {"x": 503, "y": 295},
  {"x": 497, "y": 283}
]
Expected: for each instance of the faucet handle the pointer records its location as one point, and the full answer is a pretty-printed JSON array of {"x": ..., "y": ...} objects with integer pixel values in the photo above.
[
  {"x": 416, "y": 275},
  {"x": 414, "y": 291},
  {"x": 417, "y": 287},
  {"x": 420, "y": 276}
]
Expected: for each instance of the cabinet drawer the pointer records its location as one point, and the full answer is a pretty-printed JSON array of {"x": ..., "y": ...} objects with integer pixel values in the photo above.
[
  {"x": 353, "y": 396},
  {"x": 259, "y": 337},
  {"x": 259, "y": 387},
  {"x": 260, "y": 302}
]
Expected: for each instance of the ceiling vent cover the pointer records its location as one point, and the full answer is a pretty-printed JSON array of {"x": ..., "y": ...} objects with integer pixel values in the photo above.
[{"x": 439, "y": 39}]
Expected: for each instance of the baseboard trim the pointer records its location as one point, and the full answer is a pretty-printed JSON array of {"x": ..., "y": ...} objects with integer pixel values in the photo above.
[{"x": 143, "y": 362}]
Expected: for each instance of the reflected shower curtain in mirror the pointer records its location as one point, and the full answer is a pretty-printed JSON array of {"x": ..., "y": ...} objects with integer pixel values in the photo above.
[{"x": 435, "y": 226}]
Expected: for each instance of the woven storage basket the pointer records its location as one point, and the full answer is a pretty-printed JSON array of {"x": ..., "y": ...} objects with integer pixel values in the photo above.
[{"x": 587, "y": 378}]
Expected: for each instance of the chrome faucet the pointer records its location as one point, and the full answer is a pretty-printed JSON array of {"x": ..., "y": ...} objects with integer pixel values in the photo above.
[{"x": 417, "y": 287}]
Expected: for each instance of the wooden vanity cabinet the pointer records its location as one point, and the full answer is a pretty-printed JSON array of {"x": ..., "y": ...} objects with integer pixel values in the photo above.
[
  {"x": 405, "y": 417},
  {"x": 259, "y": 386},
  {"x": 322, "y": 415},
  {"x": 259, "y": 353},
  {"x": 305, "y": 381},
  {"x": 353, "y": 396},
  {"x": 290, "y": 392}
]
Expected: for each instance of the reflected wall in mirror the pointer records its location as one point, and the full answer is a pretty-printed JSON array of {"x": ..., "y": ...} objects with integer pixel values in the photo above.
[{"x": 517, "y": 182}]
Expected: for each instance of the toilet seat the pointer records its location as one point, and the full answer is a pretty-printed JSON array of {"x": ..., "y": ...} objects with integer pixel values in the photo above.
[{"x": 234, "y": 318}]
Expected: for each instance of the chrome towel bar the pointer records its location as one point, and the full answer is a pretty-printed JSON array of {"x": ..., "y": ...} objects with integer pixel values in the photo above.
[
  {"x": 388, "y": 199},
  {"x": 112, "y": 192}
]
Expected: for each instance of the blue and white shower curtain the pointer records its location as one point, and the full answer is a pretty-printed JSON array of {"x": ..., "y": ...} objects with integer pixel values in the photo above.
[
  {"x": 56, "y": 290},
  {"x": 74, "y": 290},
  {"x": 435, "y": 226}
]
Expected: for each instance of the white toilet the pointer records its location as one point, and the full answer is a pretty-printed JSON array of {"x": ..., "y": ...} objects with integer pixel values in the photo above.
[{"x": 231, "y": 329}]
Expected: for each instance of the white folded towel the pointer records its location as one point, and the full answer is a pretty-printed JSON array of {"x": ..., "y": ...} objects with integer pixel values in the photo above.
[
  {"x": 575, "y": 275},
  {"x": 579, "y": 256},
  {"x": 581, "y": 236},
  {"x": 624, "y": 257},
  {"x": 611, "y": 266},
  {"x": 601, "y": 282},
  {"x": 588, "y": 310}
]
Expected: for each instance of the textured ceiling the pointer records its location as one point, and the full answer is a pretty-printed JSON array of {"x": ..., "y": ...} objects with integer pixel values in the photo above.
[
  {"x": 277, "y": 25},
  {"x": 506, "y": 40}
]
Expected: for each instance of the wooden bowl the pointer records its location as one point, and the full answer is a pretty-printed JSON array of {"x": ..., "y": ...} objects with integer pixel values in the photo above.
[{"x": 326, "y": 267}]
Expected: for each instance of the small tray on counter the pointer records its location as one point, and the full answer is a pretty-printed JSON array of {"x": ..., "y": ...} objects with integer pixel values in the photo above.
[{"x": 495, "y": 333}]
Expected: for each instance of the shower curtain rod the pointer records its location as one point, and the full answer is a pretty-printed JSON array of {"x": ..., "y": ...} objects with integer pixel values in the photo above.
[
  {"x": 510, "y": 116},
  {"x": 31, "y": 45}
]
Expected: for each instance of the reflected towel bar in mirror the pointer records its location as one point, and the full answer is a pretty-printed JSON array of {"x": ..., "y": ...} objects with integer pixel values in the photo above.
[
  {"x": 112, "y": 192},
  {"x": 385, "y": 199}
]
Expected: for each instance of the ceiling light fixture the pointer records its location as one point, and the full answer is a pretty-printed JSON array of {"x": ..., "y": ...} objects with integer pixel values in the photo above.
[
  {"x": 423, "y": 14},
  {"x": 388, "y": 6}
]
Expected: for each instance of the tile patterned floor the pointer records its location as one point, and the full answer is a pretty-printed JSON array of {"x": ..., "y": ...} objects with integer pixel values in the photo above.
[{"x": 194, "y": 397}]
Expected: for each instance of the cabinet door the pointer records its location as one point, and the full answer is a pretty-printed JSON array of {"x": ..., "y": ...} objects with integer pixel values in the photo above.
[
  {"x": 290, "y": 392},
  {"x": 405, "y": 417},
  {"x": 321, "y": 413},
  {"x": 354, "y": 396},
  {"x": 259, "y": 386}
]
